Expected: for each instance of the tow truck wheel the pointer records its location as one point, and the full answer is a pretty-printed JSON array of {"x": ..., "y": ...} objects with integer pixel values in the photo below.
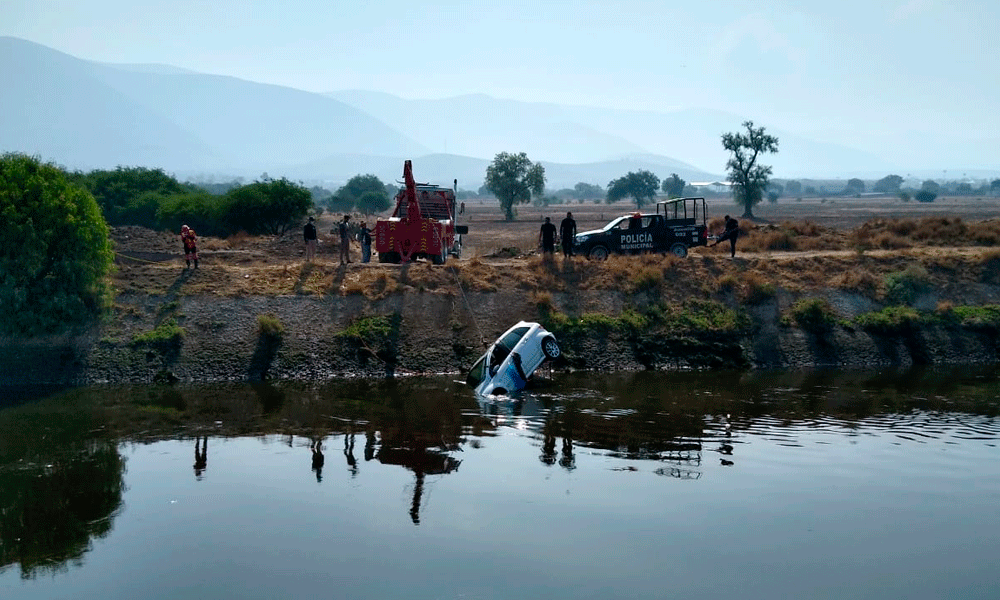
[
  {"x": 598, "y": 253},
  {"x": 679, "y": 250},
  {"x": 439, "y": 259},
  {"x": 550, "y": 348}
]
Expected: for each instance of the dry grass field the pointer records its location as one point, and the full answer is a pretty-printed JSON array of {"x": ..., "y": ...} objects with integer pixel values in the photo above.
[{"x": 798, "y": 246}]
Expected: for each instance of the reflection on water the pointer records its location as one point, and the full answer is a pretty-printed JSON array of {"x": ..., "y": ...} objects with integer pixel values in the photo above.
[{"x": 740, "y": 449}]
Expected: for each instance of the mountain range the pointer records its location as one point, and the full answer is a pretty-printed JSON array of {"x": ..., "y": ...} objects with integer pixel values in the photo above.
[{"x": 85, "y": 115}]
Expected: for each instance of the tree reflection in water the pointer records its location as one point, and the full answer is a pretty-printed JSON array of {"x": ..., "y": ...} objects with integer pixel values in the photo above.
[{"x": 50, "y": 511}]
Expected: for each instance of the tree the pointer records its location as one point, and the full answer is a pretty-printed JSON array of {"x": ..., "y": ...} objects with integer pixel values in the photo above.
[
  {"x": 129, "y": 195},
  {"x": 931, "y": 186},
  {"x": 925, "y": 196},
  {"x": 888, "y": 184},
  {"x": 854, "y": 187},
  {"x": 271, "y": 206},
  {"x": 641, "y": 186},
  {"x": 586, "y": 191},
  {"x": 373, "y": 202},
  {"x": 793, "y": 188},
  {"x": 747, "y": 176},
  {"x": 995, "y": 186},
  {"x": 512, "y": 178},
  {"x": 359, "y": 184},
  {"x": 55, "y": 255},
  {"x": 673, "y": 186}
]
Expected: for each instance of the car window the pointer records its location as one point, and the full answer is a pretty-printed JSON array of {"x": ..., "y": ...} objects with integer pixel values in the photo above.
[
  {"x": 511, "y": 339},
  {"x": 477, "y": 372},
  {"x": 619, "y": 222}
]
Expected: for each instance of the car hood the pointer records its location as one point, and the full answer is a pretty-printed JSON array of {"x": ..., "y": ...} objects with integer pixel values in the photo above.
[{"x": 591, "y": 232}]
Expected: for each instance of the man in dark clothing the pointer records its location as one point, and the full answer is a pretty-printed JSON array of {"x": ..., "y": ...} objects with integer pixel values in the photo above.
[
  {"x": 344, "y": 231},
  {"x": 567, "y": 232},
  {"x": 309, "y": 235},
  {"x": 731, "y": 233},
  {"x": 547, "y": 237}
]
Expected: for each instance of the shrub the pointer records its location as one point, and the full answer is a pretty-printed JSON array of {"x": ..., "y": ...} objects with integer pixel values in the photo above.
[
  {"x": 903, "y": 286},
  {"x": 893, "y": 319},
  {"x": 647, "y": 278},
  {"x": 778, "y": 240},
  {"x": 984, "y": 318},
  {"x": 814, "y": 314},
  {"x": 55, "y": 255},
  {"x": 756, "y": 289},
  {"x": 270, "y": 326},
  {"x": 166, "y": 335}
]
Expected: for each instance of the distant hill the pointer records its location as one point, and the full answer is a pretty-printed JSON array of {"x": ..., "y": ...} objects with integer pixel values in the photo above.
[
  {"x": 479, "y": 125},
  {"x": 86, "y": 115}
]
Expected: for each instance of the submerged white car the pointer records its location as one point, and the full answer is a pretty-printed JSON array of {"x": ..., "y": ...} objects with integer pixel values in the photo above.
[{"x": 510, "y": 361}]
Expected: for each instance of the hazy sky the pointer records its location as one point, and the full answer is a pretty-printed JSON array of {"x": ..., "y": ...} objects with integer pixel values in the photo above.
[{"x": 832, "y": 69}]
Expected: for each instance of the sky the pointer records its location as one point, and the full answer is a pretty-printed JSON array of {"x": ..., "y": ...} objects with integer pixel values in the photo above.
[{"x": 856, "y": 71}]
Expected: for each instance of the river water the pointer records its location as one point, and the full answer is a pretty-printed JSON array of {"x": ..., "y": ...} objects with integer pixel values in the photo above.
[{"x": 821, "y": 484}]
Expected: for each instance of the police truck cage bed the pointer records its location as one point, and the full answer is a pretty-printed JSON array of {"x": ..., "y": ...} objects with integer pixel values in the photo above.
[{"x": 677, "y": 224}]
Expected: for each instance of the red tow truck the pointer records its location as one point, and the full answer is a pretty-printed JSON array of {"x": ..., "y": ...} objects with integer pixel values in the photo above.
[{"x": 421, "y": 226}]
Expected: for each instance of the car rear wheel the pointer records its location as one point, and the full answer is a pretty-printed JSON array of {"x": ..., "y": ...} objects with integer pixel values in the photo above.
[
  {"x": 389, "y": 257},
  {"x": 598, "y": 253},
  {"x": 679, "y": 250},
  {"x": 439, "y": 259},
  {"x": 550, "y": 348}
]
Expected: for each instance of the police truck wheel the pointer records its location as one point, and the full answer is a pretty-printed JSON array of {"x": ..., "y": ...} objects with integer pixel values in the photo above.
[
  {"x": 679, "y": 250},
  {"x": 598, "y": 253},
  {"x": 550, "y": 348}
]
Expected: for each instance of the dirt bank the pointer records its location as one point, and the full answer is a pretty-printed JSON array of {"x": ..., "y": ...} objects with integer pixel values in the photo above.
[{"x": 254, "y": 310}]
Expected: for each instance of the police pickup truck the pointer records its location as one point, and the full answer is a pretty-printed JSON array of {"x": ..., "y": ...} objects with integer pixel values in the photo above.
[{"x": 677, "y": 224}]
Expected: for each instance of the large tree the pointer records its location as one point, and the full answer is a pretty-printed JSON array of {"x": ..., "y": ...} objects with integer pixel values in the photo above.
[
  {"x": 268, "y": 206},
  {"x": 55, "y": 255},
  {"x": 586, "y": 191},
  {"x": 854, "y": 186},
  {"x": 641, "y": 186},
  {"x": 673, "y": 186},
  {"x": 749, "y": 178},
  {"x": 888, "y": 184},
  {"x": 130, "y": 195},
  {"x": 512, "y": 178},
  {"x": 356, "y": 187}
]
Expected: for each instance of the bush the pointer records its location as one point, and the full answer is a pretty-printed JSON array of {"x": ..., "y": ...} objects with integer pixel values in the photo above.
[
  {"x": 813, "y": 314},
  {"x": 55, "y": 255},
  {"x": 903, "y": 286},
  {"x": 270, "y": 326},
  {"x": 167, "y": 334},
  {"x": 892, "y": 320}
]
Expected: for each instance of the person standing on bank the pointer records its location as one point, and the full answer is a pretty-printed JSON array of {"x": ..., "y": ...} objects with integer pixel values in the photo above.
[
  {"x": 731, "y": 233},
  {"x": 309, "y": 235},
  {"x": 547, "y": 237},
  {"x": 365, "y": 237},
  {"x": 190, "y": 241},
  {"x": 567, "y": 232},
  {"x": 344, "y": 230}
]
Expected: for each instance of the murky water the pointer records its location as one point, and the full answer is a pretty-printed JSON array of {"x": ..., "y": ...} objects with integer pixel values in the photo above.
[{"x": 825, "y": 484}]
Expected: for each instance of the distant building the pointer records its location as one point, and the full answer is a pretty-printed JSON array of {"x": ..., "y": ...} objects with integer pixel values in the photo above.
[{"x": 715, "y": 187}]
